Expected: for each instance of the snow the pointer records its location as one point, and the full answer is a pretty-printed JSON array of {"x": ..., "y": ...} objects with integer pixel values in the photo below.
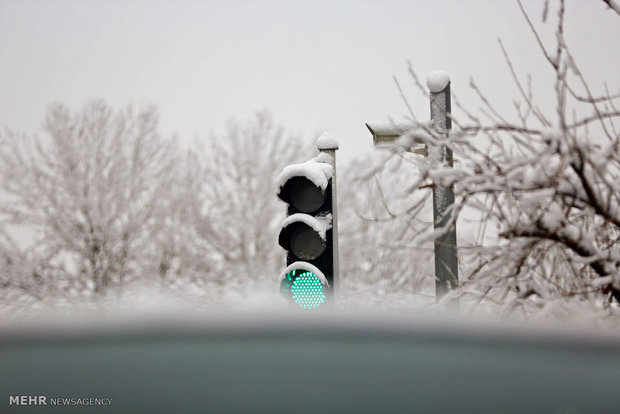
[
  {"x": 404, "y": 141},
  {"x": 391, "y": 135},
  {"x": 447, "y": 176},
  {"x": 318, "y": 170},
  {"x": 601, "y": 281},
  {"x": 327, "y": 142},
  {"x": 389, "y": 128},
  {"x": 437, "y": 80},
  {"x": 412, "y": 137},
  {"x": 551, "y": 134},
  {"x": 530, "y": 175},
  {"x": 320, "y": 224},
  {"x": 554, "y": 218},
  {"x": 305, "y": 266},
  {"x": 532, "y": 200},
  {"x": 325, "y": 158}
]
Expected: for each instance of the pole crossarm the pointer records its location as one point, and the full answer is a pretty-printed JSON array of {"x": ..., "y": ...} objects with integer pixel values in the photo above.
[{"x": 387, "y": 136}]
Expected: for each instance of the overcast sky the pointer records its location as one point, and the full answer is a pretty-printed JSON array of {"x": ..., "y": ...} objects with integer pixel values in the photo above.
[{"x": 321, "y": 65}]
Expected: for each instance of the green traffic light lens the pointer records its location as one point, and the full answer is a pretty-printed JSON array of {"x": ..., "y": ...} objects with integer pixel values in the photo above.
[{"x": 305, "y": 288}]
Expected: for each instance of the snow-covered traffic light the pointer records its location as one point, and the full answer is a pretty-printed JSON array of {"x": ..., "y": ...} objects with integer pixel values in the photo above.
[{"x": 309, "y": 230}]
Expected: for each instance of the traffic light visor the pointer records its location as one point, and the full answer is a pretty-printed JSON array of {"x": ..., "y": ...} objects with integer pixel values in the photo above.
[{"x": 305, "y": 235}]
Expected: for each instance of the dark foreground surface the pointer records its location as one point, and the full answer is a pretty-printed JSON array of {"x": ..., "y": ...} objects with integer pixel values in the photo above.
[{"x": 310, "y": 367}]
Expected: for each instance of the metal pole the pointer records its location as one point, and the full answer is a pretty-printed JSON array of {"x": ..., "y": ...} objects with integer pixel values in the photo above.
[
  {"x": 446, "y": 262},
  {"x": 336, "y": 268}
]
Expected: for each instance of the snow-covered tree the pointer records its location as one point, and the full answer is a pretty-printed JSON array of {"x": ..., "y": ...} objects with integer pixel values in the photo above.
[
  {"x": 377, "y": 229},
  {"x": 85, "y": 192},
  {"x": 549, "y": 182},
  {"x": 228, "y": 213},
  {"x": 100, "y": 201}
]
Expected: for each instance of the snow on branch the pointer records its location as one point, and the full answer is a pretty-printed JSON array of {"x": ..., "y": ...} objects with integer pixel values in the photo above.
[{"x": 545, "y": 183}]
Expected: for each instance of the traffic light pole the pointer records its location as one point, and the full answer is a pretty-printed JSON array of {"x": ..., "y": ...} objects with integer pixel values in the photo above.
[
  {"x": 446, "y": 263},
  {"x": 330, "y": 149}
]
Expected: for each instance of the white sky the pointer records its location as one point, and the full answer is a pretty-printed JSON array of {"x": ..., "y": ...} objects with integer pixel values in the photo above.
[{"x": 318, "y": 66}]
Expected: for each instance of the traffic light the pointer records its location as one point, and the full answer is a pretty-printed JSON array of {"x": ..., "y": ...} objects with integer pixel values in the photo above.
[{"x": 307, "y": 233}]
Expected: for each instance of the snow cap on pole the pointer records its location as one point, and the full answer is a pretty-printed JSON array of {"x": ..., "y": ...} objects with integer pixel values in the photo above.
[
  {"x": 327, "y": 142},
  {"x": 437, "y": 80}
]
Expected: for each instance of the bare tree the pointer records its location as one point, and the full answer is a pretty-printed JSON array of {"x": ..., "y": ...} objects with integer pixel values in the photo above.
[
  {"x": 87, "y": 191},
  {"x": 379, "y": 259},
  {"x": 549, "y": 181}
]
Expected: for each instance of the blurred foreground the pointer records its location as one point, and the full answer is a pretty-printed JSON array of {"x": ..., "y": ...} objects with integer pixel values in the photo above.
[{"x": 284, "y": 360}]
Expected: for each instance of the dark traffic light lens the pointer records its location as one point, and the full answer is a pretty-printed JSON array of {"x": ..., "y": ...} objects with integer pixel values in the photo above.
[
  {"x": 305, "y": 243},
  {"x": 306, "y": 197}
]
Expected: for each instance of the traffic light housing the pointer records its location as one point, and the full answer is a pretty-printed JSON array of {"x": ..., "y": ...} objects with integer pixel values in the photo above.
[{"x": 307, "y": 233}]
